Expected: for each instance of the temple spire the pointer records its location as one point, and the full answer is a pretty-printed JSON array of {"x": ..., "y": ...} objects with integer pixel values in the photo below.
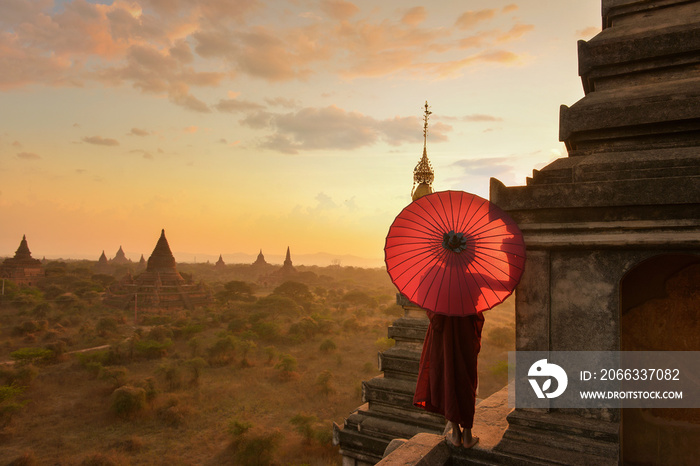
[{"x": 423, "y": 173}]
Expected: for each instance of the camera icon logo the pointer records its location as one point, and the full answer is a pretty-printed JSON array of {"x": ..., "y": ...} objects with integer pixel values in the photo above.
[{"x": 542, "y": 368}]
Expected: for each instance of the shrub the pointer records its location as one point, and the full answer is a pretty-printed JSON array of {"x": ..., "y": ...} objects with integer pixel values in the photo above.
[
  {"x": 30, "y": 355},
  {"x": 9, "y": 402},
  {"x": 359, "y": 298},
  {"x": 238, "y": 429},
  {"x": 151, "y": 349},
  {"x": 246, "y": 346},
  {"x": 188, "y": 330},
  {"x": 303, "y": 423},
  {"x": 327, "y": 346},
  {"x": 324, "y": 382},
  {"x": 160, "y": 334},
  {"x": 351, "y": 324},
  {"x": 116, "y": 375},
  {"x": 257, "y": 450},
  {"x": 305, "y": 328},
  {"x": 195, "y": 365},
  {"x": 384, "y": 344},
  {"x": 236, "y": 324},
  {"x": 500, "y": 370},
  {"x": 266, "y": 330},
  {"x": 105, "y": 326},
  {"x": 172, "y": 374},
  {"x": 221, "y": 352},
  {"x": 287, "y": 365},
  {"x": 271, "y": 352},
  {"x": 393, "y": 311},
  {"x": 128, "y": 401}
]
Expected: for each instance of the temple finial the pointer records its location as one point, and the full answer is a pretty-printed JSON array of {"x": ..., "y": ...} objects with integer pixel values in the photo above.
[
  {"x": 423, "y": 173},
  {"x": 426, "y": 115}
]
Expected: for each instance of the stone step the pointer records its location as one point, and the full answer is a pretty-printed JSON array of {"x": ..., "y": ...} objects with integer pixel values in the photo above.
[
  {"x": 358, "y": 445},
  {"x": 427, "y": 422},
  {"x": 567, "y": 424},
  {"x": 400, "y": 362},
  {"x": 385, "y": 428},
  {"x": 394, "y": 392},
  {"x": 548, "y": 454},
  {"x": 562, "y": 441},
  {"x": 476, "y": 456},
  {"x": 408, "y": 329}
]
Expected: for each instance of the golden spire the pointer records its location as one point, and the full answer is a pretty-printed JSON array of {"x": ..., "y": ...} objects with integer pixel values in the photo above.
[{"x": 423, "y": 173}]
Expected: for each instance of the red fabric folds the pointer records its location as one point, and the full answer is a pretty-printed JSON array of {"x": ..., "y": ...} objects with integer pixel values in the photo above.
[{"x": 447, "y": 378}]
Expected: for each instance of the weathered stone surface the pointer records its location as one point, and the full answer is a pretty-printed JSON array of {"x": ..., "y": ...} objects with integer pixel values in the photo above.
[{"x": 628, "y": 192}]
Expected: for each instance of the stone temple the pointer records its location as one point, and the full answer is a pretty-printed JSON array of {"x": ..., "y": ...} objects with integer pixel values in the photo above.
[
  {"x": 22, "y": 269},
  {"x": 613, "y": 247},
  {"x": 161, "y": 286}
]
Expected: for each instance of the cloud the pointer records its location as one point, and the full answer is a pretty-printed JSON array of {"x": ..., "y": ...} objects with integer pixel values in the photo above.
[
  {"x": 263, "y": 52},
  {"x": 283, "y": 102},
  {"x": 234, "y": 105},
  {"x": 469, "y": 19},
  {"x": 339, "y": 9},
  {"x": 173, "y": 48},
  {"x": 138, "y": 132},
  {"x": 28, "y": 156},
  {"x": 100, "y": 141},
  {"x": 480, "y": 117},
  {"x": 145, "y": 154},
  {"x": 335, "y": 128},
  {"x": 414, "y": 16},
  {"x": 517, "y": 31}
]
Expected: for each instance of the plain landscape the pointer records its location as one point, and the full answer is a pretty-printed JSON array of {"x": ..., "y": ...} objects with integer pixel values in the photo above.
[{"x": 257, "y": 377}]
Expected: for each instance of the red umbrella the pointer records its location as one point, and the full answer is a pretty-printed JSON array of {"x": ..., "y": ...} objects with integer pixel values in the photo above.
[{"x": 454, "y": 253}]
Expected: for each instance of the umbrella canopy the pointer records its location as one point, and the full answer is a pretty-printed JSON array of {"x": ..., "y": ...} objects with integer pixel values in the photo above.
[{"x": 454, "y": 253}]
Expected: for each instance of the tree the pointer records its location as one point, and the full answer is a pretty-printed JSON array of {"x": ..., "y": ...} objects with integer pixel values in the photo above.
[
  {"x": 299, "y": 292},
  {"x": 236, "y": 291},
  {"x": 287, "y": 365},
  {"x": 304, "y": 424},
  {"x": 324, "y": 382}
]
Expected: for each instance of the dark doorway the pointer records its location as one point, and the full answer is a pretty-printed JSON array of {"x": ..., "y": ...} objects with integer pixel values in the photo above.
[{"x": 660, "y": 311}]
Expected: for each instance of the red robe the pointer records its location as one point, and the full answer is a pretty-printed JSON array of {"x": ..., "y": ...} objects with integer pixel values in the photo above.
[{"x": 447, "y": 375}]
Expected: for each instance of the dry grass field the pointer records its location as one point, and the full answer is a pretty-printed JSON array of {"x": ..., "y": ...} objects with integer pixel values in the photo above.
[{"x": 258, "y": 377}]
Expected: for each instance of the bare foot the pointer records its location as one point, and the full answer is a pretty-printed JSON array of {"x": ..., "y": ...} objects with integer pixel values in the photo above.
[
  {"x": 469, "y": 440},
  {"x": 455, "y": 436}
]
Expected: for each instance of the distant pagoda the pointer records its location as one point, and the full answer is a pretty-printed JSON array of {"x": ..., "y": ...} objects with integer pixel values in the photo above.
[
  {"x": 120, "y": 258},
  {"x": 22, "y": 269},
  {"x": 260, "y": 261},
  {"x": 220, "y": 264},
  {"x": 287, "y": 267},
  {"x": 160, "y": 286},
  {"x": 102, "y": 264}
]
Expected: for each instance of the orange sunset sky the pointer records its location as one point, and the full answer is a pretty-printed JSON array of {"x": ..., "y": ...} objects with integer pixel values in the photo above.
[{"x": 237, "y": 125}]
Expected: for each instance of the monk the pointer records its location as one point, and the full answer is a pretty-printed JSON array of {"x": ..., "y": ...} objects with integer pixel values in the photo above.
[{"x": 447, "y": 375}]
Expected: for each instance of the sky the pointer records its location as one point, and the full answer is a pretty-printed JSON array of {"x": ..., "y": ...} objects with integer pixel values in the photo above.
[{"x": 240, "y": 125}]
